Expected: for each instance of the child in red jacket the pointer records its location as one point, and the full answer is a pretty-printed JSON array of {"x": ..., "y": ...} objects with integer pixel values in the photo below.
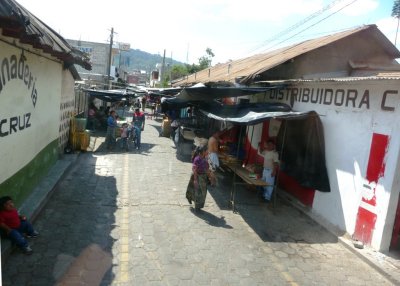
[{"x": 15, "y": 226}]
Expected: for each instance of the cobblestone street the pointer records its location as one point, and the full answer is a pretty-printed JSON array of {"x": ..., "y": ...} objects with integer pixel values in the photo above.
[{"x": 121, "y": 218}]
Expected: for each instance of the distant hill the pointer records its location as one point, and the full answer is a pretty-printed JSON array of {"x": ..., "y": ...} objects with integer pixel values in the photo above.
[{"x": 139, "y": 60}]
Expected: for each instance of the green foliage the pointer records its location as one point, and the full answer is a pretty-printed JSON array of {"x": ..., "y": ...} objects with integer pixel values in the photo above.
[
  {"x": 205, "y": 61},
  {"x": 181, "y": 70},
  {"x": 396, "y": 9},
  {"x": 139, "y": 60},
  {"x": 193, "y": 68},
  {"x": 178, "y": 71}
]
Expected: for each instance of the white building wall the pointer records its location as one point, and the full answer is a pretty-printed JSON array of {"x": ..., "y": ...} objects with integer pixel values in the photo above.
[
  {"x": 355, "y": 111},
  {"x": 32, "y": 100},
  {"x": 67, "y": 105}
]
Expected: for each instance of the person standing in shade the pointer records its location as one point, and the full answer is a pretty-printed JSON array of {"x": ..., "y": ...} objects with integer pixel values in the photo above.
[
  {"x": 144, "y": 99},
  {"x": 271, "y": 167},
  {"x": 138, "y": 122},
  {"x": 213, "y": 159},
  {"x": 92, "y": 121},
  {"x": 111, "y": 125}
]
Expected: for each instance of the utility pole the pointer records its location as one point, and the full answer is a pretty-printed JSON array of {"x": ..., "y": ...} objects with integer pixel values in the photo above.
[
  {"x": 163, "y": 69},
  {"x": 109, "y": 58},
  {"x": 170, "y": 70},
  {"x": 187, "y": 54}
]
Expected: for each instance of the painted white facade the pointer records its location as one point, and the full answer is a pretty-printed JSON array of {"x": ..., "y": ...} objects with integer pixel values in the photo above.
[
  {"x": 29, "y": 103},
  {"x": 351, "y": 111},
  {"x": 67, "y": 107}
]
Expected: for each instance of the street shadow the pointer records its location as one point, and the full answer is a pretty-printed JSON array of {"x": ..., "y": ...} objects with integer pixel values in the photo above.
[
  {"x": 182, "y": 154},
  {"x": 145, "y": 148},
  {"x": 211, "y": 219},
  {"x": 157, "y": 127},
  {"x": 75, "y": 227},
  {"x": 278, "y": 222}
]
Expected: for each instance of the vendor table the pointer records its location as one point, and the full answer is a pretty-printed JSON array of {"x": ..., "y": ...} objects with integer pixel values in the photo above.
[{"x": 244, "y": 174}]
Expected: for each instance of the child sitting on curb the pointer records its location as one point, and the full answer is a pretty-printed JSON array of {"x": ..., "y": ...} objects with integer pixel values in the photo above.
[{"x": 15, "y": 226}]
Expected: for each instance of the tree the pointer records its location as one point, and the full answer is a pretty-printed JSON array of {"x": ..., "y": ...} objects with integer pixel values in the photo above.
[
  {"x": 178, "y": 71},
  {"x": 396, "y": 14},
  {"x": 205, "y": 61},
  {"x": 193, "y": 68}
]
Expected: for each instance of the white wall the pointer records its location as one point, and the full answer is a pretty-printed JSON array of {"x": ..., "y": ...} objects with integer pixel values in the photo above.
[
  {"x": 349, "y": 120},
  {"x": 17, "y": 100},
  {"x": 67, "y": 105}
]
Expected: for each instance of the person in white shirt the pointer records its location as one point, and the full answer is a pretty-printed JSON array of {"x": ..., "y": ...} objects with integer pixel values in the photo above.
[
  {"x": 271, "y": 166},
  {"x": 213, "y": 161}
]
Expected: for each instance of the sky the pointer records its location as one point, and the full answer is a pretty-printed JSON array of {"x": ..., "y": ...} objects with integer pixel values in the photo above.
[{"x": 232, "y": 29}]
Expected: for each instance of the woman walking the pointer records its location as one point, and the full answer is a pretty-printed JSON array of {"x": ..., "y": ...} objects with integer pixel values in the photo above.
[{"x": 197, "y": 188}]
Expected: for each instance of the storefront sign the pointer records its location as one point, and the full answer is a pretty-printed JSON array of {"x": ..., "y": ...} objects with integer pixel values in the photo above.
[
  {"x": 349, "y": 98},
  {"x": 16, "y": 68},
  {"x": 13, "y": 68},
  {"x": 14, "y": 124}
]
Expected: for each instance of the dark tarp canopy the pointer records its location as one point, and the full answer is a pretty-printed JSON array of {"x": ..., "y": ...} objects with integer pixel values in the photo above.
[
  {"x": 248, "y": 113},
  {"x": 201, "y": 95},
  {"x": 113, "y": 95},
  {"x": 196, "y": 93},
  {"x": 301, "y": 145},
  {"x": 164, "y": 91},
  {"x": 300, "y": 141}
]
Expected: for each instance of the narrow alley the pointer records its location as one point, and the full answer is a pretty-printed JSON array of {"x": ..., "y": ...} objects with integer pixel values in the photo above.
[{"x": 121, "y": 218}]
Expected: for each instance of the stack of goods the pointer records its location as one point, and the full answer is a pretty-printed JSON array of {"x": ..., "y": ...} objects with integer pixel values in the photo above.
[
  {"x": 228, "y": 159},
  {"x": 80, "y": 137},
  {"x": 166, "y": 127}
]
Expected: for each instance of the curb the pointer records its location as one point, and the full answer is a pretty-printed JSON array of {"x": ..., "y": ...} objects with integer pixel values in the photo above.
[{"x": 40, "y": 195}]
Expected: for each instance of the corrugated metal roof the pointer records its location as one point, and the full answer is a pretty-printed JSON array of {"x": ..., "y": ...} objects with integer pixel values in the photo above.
[
  {"x": 248, "y": 68},
  {"x": 19, "y": 23},
  {"x": 381, "y": 76}
]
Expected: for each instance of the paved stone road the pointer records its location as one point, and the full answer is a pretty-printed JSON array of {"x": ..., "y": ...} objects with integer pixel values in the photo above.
[{"x": 121, "y": 218}]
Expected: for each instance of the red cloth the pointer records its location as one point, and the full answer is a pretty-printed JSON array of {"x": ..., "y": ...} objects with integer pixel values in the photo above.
[{"x": 10, "y": 218}]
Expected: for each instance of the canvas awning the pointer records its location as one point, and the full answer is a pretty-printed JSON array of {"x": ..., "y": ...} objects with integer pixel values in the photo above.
[
  {"x": 201, "y": 95},
  {"x": 300, "y": 140},
  {"x": 250, "y": 113},
  {"x": 203, "y": 92},
  {"x": 112, "y": 95}
]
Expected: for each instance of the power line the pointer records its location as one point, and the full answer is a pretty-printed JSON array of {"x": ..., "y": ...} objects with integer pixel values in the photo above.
[
  {"x": 311, "y": 25},
  {"x": 300, "y": 23}
]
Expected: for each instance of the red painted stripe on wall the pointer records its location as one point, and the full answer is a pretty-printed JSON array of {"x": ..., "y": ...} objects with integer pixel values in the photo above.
[
  {"x": 376, "y": 167},
  {"x": 365, "y": 223}
]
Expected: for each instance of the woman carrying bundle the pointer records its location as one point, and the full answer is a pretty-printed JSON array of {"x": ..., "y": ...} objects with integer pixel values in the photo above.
[{"x": 197, "y": 188}]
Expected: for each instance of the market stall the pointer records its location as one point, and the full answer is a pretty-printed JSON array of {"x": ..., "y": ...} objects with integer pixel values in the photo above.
[
  {"x": 298, "y": 136},
  {"x": 299, "y": 141}
]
